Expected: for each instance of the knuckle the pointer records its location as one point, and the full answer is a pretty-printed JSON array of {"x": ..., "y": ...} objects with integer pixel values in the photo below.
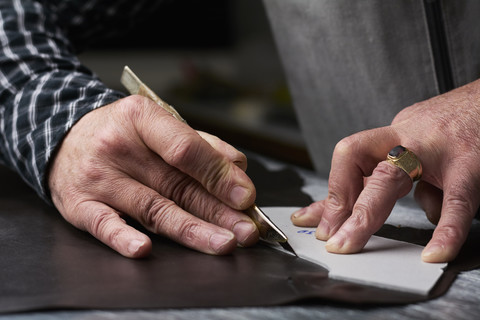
[
  {"x": 240, "y": 160},
  {"x": 457, "y": 216},
  {"x": 114, "y": 136},
  {"x": 211, "y": 171},
  {"x": 155, "y": 212},
  {"x": 188, "y": 230},
  {"x": 93, "y": 171},
  {"x": 349, "y": 154},
  {"x": 98, "y": 226},
  {"x": 460, "y": 204},
  {"x": 110, "y": 142},
  {"x": 187, "y": 194},
  {"x": 215, "y": 177},
  {"x": 181, "y": 190},
  {"x": 133, "y": 106},
  {"x": 404, "y": 114},
  {"x": 451, "y": 232},
  {"x": 363, "y": 222},
  {"x": 113, "y": 236},
  {"x": 336, "y": 203},
  {"x": 386, "y": 172},
  {"x": 317, "y": 206},
  {"x": 164, "y": 178},
  {"x": 183, "y": 150},
  {"x": 462, "y": 130},
  {"x": 361, "y": 217},
  {"x": 215, "y": 212},
  {"x": 389, "y": 177},
  {"x": 190, "y": 195},
  {"x": 158, "y": 215},
  {"x": 344, "y": 146}
]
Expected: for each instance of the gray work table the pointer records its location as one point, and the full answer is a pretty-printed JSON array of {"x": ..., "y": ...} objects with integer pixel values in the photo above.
[{"x": 461, "y": 301}]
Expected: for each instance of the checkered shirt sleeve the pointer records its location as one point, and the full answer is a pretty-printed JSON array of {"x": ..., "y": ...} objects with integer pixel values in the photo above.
[{"x": 44, "y": 89}]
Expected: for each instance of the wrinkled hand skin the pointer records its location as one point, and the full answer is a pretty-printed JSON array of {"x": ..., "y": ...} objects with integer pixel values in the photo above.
[
  {"x": 444, "y": 133},
  {"x": 132, "y": 158}
]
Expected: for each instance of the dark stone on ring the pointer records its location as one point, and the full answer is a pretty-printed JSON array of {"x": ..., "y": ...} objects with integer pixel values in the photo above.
[
  {"x": 397, "y": 151},
  {"x": 406, "y": 160}
]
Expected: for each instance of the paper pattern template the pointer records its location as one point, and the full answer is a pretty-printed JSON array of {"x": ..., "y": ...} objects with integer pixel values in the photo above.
[{"x": 383, "y": 262}]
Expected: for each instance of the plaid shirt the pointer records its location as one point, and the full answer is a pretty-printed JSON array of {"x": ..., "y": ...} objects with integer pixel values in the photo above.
[{"x": 44, "y": 89}]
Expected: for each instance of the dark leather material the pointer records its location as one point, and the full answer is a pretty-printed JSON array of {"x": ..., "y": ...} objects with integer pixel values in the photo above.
[{"x": 45, "y": 263}]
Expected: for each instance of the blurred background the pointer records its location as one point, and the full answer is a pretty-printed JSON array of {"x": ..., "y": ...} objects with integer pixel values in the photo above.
[{"x": 215, "y": 61}]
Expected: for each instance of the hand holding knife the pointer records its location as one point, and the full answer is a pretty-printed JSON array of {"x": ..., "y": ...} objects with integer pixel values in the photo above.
[{"x": 267, "y": 229}]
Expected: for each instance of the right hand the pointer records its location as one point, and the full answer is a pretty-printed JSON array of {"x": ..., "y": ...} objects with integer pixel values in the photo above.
[
  {"x": 133, "y": 158},
  {"x": 444, "y": 133}
]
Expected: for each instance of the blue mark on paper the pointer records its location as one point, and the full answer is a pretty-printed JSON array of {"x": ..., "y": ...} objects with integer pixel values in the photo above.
[{"x": 306, "y": 231}]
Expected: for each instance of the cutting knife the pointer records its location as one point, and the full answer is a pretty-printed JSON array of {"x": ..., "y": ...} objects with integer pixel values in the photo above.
[{"x": 268, "y": 231}]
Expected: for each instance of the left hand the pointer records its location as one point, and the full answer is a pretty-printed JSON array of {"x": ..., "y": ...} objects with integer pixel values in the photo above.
[{"x": 444, "y": 133}]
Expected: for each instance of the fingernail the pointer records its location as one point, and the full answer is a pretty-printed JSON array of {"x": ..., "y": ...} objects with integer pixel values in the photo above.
[
  {"x": 323, "y": 230},
  {"x": 134, "y": 246},
  {"x": 432, "y": 253},
  {"x": 239, "y": 195},
  {"x": 335, "y": 243},
  {"x": 243, "y": 230},
  {"x": 299, "y": 213},
  {"x": 219, "y": 240}
]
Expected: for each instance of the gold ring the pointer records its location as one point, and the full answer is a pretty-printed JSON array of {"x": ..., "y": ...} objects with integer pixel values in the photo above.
[{"x": 407, "y": 161}]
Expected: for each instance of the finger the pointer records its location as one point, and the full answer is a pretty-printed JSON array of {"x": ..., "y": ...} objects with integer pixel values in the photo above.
[
  {"x": 309, "y": 216},
  {"x": 183, "y": 148},
  {"x": 430, "y": 200},
  {"x": 163, "y": 216},
  {"x": 354, "y": 158},
  {"x": 458, "y": 209},
  {"x": 192, "y": 197},
  {"x": 159, "y": 178},
  {"x": 105, "y": 224},
  {"x": 237, "y": 157},
  {"x": 387, "y": 184}
]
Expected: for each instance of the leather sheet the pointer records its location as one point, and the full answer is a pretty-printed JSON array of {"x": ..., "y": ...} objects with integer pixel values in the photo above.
[{"x": 47, "y": 264}]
